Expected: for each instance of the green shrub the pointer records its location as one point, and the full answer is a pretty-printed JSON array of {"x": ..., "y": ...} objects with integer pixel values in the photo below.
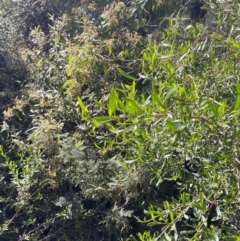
[{"x": 126, "y": 126}]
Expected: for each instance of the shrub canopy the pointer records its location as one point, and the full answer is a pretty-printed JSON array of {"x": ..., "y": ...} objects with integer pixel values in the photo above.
[{"x": 119, "y": 120}]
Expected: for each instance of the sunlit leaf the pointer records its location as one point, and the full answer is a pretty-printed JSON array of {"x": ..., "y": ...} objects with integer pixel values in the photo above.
[
  {"x": 84, "y": 109},
  {"x": 113, "y": 101},
  {"x": 133, "y": 107}
]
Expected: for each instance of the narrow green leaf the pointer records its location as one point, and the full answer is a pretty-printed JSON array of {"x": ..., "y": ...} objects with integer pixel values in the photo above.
[
  {"x": 171, "y": 126},
  {"x": 84, "y": 109},
  {"x": 237, "y": 103},
  {"x": 171, "y": 216},
  {"x": 187, "y": 232},
  {"x": 232, "y": 238},
  {"x": 151, "y": 224},
  {"x": 184, "y": 198},
  {"x": 199, "y": 206},
  {"x": 161, "y": 217},
  {"x": 170, "y": 93},
  {"x": 166, "y": 205},
  {"x": 123, "y": 165},
  {"x": 129, "y": 161},
  {"x": 156, "y": 99},
  {"x": 222, "y": 108},
  {"x": 214, "y": 109},
  {"x": 132, "y": 107},
  {"x": 126, "y": 75},
  {"x": 113, "y": 100},
  {"x": 103, "y": 119},
  {"x": 201, "y": 199},
  {"x": 68, "y": 82}
]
